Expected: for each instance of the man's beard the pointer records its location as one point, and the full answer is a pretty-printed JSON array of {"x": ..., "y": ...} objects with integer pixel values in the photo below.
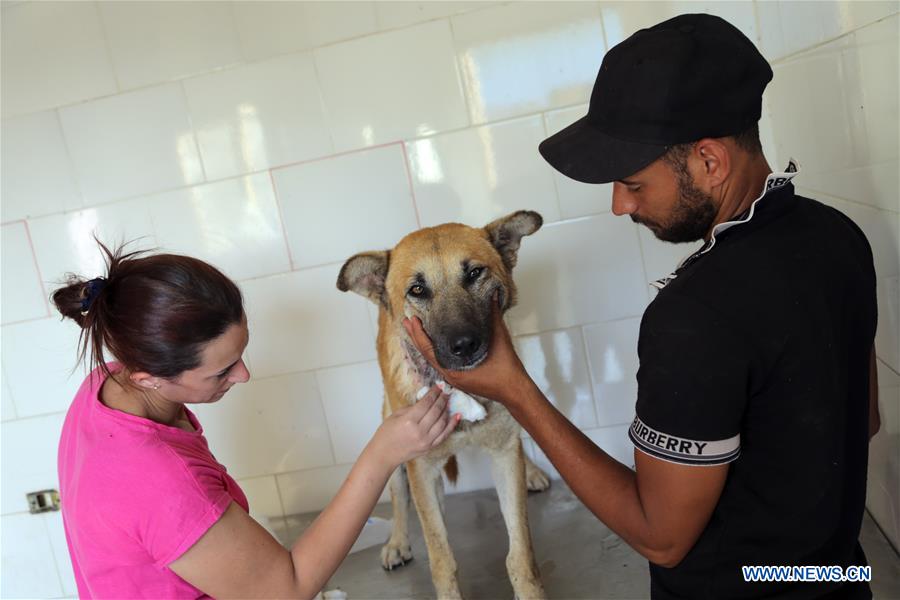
[{"x": 692, "y": 216}]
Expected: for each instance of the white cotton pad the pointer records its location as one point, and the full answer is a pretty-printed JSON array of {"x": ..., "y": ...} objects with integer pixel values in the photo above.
[
  {"x": 465, "y": 405},
  {"x": 460, "y": 402}
]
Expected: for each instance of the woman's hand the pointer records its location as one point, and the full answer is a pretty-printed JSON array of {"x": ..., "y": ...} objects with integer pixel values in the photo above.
[
  {"x": 414, "y": 430},
  {"x": 501, "y": 376}
]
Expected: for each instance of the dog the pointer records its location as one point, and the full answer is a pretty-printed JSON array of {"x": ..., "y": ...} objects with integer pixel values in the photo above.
[{"x": 448, "y": 276}]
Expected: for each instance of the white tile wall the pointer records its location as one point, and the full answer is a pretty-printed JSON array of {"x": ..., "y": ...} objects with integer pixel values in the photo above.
[
  {"x": 275, "y": 139},
  {"x": 28, "y": 459},
  {"x": 53, "y": 54},
  {"x": 22, "y": 292},
  {"x": 28, "y": 568},
  {"x": 556, "y": 362},
  {"x": 304, "y": 491},
  {"x": 521, "y": 58},
  {"x": 259, "y": 116},
  {"x": 8, "y": 406},
  {"x": 336, "y": 207},
  {"x": 270, "y": 28},
  {"x": 263, "y": 497},
  {"x": 278, "y": 419},
  {"x": 787, "y": 27},
  {"x": 132, "y": 143},
  {"x": 621, "y": 19},
  {"x": 391, "y": 14},
  {"x": 38, "y": 359},
  {"x": 612, "y": 348},
  {"x": 579, "y": 272},
  {"x": 151, "y": 42},
  {"x": 37, "y": 176},
  {"x": 233, "y": 224},
  {"x": 64, "y": 242},
  {"x": 352, "y": 396},
  {"x": 884, "y": 456},
  {"x": 847, "y": 83},
  {"x": 392, "y": 86},
  {"x": 612, "y": 440},
  {"x": 57, "y": 533},
  {"x": 476, "y": 175},
  {"x": 301, "y": 322}
]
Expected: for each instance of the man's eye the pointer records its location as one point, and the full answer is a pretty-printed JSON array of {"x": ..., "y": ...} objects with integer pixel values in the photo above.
[
  {"x": 417, "y": 291},
  {"x": 474, "y": 273}
]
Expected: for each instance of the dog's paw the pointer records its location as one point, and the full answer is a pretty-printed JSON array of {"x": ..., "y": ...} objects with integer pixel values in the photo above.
[
  {"x": 395, "y": 555},
  {"x": 535, "y": 479}
]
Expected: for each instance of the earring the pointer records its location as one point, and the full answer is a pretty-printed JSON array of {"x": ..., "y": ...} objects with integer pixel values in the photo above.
[{"x": 156, "y": 387}]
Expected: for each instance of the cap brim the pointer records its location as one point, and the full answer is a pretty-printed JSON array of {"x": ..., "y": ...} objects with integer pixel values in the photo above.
[{"x": 583, "y": 153}]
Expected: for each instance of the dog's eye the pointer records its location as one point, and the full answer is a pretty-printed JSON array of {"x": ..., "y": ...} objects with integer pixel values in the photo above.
[
  {"x": 417, "y": 290},
  {"x": 474, "y": 273}
]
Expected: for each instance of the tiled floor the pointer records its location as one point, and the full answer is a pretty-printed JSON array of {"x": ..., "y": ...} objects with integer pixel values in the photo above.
[{"x": 578, "y": 556}]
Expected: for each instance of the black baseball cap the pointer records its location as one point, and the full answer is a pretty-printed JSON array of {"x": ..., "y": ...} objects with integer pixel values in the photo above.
[{"x": 684, "y": 79}]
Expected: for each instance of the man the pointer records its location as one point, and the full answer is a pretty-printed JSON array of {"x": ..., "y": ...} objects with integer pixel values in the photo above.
[{"x": 756, "y": 356}]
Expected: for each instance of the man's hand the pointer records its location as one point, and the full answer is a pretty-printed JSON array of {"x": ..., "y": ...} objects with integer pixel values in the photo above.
[{"x": 500, "y": 377}]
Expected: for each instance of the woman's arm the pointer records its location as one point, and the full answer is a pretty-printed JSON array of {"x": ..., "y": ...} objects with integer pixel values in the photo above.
[{"x": 237, "y": 558}]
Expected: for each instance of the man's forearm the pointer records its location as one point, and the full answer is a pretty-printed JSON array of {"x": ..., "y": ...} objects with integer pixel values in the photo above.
[{"x": 605, "y": 486}]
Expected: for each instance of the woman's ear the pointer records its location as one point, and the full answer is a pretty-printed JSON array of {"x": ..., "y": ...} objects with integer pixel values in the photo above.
[{"x": 145, "y": 380}]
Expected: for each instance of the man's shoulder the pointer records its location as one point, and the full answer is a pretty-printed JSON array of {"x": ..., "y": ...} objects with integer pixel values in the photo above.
[{"x": 826, "y": 220}]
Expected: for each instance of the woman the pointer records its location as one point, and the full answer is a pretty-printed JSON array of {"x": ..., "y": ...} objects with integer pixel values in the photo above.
[{"x": 148, "y": 511}]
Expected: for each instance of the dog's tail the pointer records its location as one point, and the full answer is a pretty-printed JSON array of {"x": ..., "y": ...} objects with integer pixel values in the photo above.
[{"x": 451, "y": 469}]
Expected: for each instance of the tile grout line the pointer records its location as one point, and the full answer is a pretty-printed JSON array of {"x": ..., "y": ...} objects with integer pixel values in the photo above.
[{"x": 278, "y": 207}]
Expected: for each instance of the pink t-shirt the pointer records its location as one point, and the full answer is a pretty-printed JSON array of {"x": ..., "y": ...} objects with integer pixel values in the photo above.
[{"x": 135, "y": 496}]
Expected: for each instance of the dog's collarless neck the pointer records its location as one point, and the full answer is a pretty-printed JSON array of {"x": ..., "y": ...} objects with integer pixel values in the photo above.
[{"x": 427, "y": 374}]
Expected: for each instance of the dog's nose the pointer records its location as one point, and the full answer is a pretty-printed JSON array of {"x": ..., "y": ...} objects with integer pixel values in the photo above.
[{"x": 464, "y": 345}]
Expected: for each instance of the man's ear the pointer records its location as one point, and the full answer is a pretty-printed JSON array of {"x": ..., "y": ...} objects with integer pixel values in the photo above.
[
  {"x": 712, "y": 163},
  {"x": 506, "y": 233},
  {"x": 365, "y": 274}
]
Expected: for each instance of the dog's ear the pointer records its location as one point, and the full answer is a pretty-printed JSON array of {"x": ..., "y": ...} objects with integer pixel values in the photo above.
[
  {"x": 365, "y": 274},
  {"x": 506, "y": 233}
]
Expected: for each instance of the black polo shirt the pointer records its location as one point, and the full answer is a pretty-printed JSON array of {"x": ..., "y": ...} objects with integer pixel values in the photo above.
[{"x": 756, "y": 353}]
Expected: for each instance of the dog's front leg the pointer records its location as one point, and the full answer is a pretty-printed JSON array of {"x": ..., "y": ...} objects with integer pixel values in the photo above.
[
  {"x": 397, "y": 552},
  {"x": 508, "y": 468},
  {"x": 424, "y": 485}
]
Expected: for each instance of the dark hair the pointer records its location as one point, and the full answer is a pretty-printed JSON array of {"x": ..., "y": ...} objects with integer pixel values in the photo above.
[
  {"x": 152, "y": 312},
  {"x": 747, "y": 140}
]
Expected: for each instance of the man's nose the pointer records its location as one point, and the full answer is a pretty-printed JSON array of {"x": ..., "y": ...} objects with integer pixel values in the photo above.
[{"x": 622, "y": 201}]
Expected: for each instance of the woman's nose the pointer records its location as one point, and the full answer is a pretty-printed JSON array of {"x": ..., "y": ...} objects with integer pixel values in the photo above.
[{"x": 240, "y": 373}]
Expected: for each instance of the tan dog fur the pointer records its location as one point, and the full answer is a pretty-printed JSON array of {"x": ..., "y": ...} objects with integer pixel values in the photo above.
[{"x": 435, "y": 254}]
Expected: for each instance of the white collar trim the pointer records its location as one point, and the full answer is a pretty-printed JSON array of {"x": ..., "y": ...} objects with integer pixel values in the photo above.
[{"x": 774, "y": 181}]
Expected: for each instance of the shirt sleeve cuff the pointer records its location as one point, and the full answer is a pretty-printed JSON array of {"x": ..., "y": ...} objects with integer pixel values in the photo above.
[
  {"x": 683, "y": 450},
  {"x": 201, "y": 526}
]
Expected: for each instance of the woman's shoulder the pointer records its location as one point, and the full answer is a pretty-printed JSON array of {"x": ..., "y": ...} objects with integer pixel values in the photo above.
[{"x": 120, "y": 469}]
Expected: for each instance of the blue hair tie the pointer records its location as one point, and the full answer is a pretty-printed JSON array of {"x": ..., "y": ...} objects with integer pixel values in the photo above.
[{"x": 94, "y": 286}]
